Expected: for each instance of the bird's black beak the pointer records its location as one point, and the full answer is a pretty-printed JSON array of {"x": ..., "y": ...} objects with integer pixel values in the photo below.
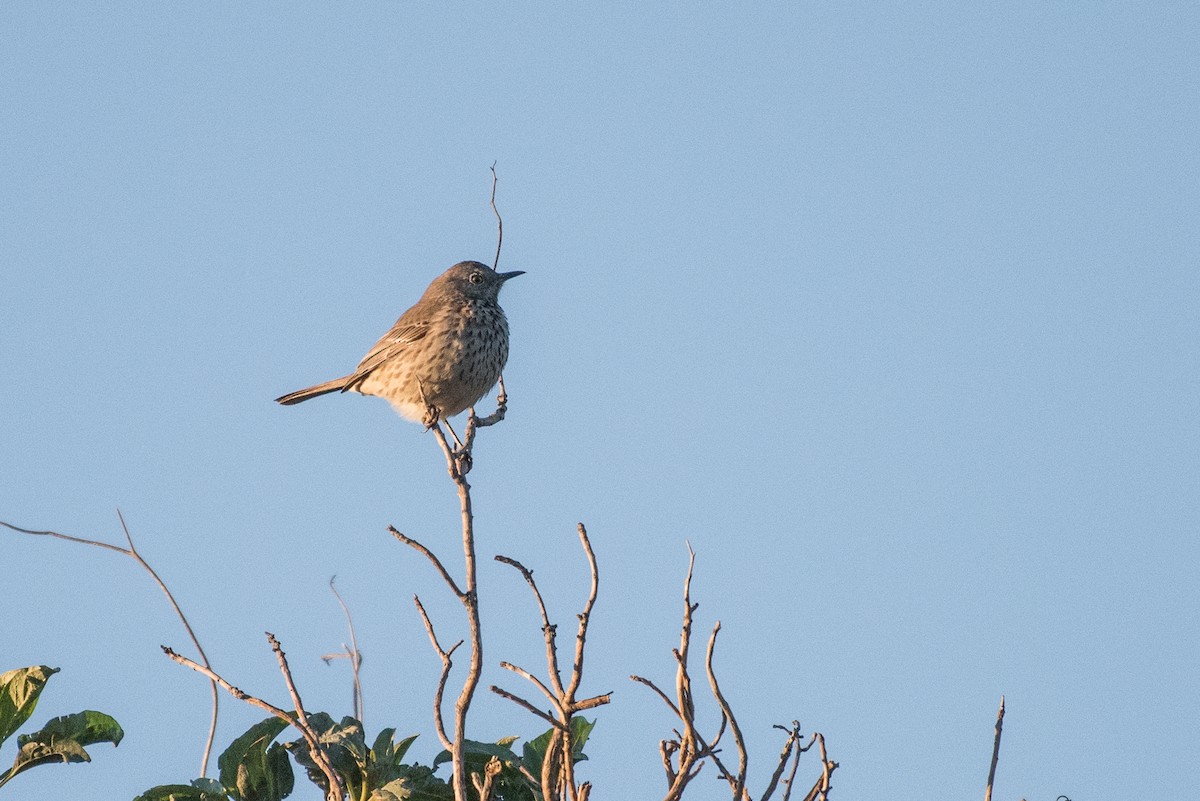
[{"x": 513, "y": 274}]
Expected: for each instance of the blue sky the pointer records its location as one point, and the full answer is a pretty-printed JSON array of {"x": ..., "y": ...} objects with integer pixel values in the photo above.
[{"x": 891, "y": 311}]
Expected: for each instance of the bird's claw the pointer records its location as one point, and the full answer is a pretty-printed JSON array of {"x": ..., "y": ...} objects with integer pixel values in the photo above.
[{"x": 432, "y": 415}]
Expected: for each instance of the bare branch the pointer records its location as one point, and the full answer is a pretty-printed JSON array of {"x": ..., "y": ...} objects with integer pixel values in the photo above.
[
  {"x": 791, "y": 779},
  {"x": 499, "y": 221},
  {"x": 683, "y": 682},
  {"x": 458, "y": 464},
  {"x": 789, "y": 745},
  {"x": 296, "y": 719},
  {"x": 132, "y": 552},
  {"x": 666, "y": 699},
  {"x": 437, "y": 563},
  {"x": 234, "y": 691},
  {"x": 584, "y": 616},
  {"x": 987, "y": 796},
  {"x": 522, "y": 702},
  {"x": 68, "y": 538},
  {"x": 447, "y": 664},
  {"x": 558, "y": 769},
  {"x": 591, "y": 703},
  {"x": 552, "y": 765},
  {"x": 335, "y": 790},
  {"x": 549, "y": 630},
  {"x": 738, "y": 784},
  {"x": 684, "y": 757},
  {"x": 535, "y": 681},
  {"x": 820, "y": 790}
]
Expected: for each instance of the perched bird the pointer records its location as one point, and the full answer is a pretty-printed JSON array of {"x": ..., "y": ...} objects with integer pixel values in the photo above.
[{"x": 441, "y": 356}]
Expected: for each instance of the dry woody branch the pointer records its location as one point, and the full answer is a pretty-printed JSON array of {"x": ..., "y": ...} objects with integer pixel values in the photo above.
[
  {"x": 558, "y": 772},
  {"x": 684, "y": 755}
]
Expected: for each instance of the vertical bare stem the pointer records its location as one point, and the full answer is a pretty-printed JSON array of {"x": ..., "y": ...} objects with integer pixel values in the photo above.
[
  {"x": 499, "y": 222},
  {"x": 987, "y": 795},
  {"x": 470, "y": 601}
]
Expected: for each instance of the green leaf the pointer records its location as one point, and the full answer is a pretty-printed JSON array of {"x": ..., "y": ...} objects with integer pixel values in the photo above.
[
  {"x": 19, "y": 691},
  {"x": 363, "y": 770},
  {"x": 254, "y": 769},
  {"x": 473, "y": 749},
  {"x": 535, "y": 750},
  {"x": 384, "y": 762},
  {"x": 63, "y": 739},
  {"x": 87, "y": 728},
  {"x": 198, "y": 790},
  {"x": 418, "y": 785},
  {"x": 581, "y": 730}
]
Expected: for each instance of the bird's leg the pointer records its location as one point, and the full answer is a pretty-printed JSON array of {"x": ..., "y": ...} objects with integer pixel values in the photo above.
[{"x": 457, "y": 442}]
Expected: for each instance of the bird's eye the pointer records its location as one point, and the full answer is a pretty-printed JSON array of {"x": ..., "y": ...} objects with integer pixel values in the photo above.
[{"x": 476, "y": 278}]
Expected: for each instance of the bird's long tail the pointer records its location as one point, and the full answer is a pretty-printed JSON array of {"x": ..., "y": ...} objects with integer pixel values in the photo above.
[{"x": 312, "y": 392}]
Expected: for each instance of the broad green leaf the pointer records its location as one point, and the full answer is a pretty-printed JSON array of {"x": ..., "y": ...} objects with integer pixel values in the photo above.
[
  {"x": 363, "y": 770},
  {"x": 198, "y": 790},
  {"x": 254, "y": 769},
  {"x": 581, "y": 730},
  {"x": 384, "y": 748},
  {"x": 383, "y": 740},
  {"x": 384, "y": 763},
  {"x": 87, "y": 728},
  {"x": 535, "y": 750},
  {"x": 19, "y": 691},
  {"x": 63, "y": 739},
  {"x": 474, "y": 748}
]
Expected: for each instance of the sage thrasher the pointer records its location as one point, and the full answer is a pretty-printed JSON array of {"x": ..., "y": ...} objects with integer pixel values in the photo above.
[{"x": 441, "y": 356}]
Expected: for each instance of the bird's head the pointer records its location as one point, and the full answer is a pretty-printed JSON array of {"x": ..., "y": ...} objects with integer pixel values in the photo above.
[{"x": 474, "y": 280}]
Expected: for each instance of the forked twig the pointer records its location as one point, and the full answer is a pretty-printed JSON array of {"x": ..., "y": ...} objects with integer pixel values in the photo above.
[
  {"x": 132, "y": 553},
  {"x": 549, "y": 631},
  {"x": 447, "y": 664},
  {"x": 297, "y": 719},
  {"x": 789, "y": 746},
  {"x": 336, "y": 789},
  {"x": 684, "y": 756},
  {"x": 820, "y": 790},
  {"x": 558, "y": 772}
]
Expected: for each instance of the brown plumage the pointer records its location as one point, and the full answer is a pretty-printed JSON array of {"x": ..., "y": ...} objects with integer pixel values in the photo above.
[{"x": 441, "y": 356}]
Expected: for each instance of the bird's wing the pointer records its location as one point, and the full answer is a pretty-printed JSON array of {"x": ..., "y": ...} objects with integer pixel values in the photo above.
[{"x": 390, "y": 344}]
